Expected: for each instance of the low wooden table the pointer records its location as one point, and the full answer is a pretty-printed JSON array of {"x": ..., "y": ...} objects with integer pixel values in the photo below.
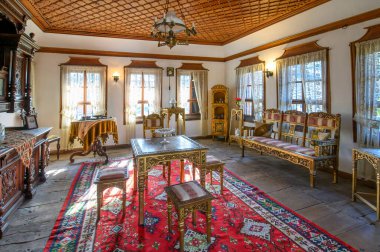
[
  {"x": 148, "y": 153},
  {"x": 373, "y": 157},
  {"x": 91, "y": 134}
]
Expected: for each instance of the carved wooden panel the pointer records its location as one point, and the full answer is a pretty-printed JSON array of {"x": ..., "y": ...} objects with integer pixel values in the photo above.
[{"x": 217, "y": 22}]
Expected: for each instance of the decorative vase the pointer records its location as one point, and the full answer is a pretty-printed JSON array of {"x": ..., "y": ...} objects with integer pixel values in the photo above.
[{"x": 238, "y": 104}]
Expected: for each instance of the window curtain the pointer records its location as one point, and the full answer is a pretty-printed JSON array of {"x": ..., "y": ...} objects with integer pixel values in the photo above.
[
  {"x": 310, "y": 68},
  {"x": 367, "y": 84},
  {"x": 72, "y": 94},
  {"x": 200, "y": 85},
  {"x": 180, "y": 87},
  {"x": 246, "y": 75},
  {"x": 131, "y": 98}
]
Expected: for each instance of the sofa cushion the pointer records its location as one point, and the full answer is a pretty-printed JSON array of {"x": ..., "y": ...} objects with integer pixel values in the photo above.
[
  {"x": 263, "y": 129},
  {"x": 285, "y": 145},
  {"x": 188, "y": 191},
  {"x": 112, "y": 173}
]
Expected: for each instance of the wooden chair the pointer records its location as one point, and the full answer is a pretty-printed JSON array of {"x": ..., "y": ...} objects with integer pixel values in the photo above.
[
  {"x": 213, "y": 164},
  {"x": 110, "y": 177},
  {"x": 151, "y": 123},
  {"x": 188, "y": 197},
  {"x": 52, "y": 139}
]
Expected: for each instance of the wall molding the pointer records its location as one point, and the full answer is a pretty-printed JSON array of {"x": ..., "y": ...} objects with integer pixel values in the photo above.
[
  {"x": 373, "y": 14},
  {"x": 126, "y": 54}
]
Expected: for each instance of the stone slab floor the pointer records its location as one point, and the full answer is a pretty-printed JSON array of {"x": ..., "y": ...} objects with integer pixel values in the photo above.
[{"x": 329, "y": 205}]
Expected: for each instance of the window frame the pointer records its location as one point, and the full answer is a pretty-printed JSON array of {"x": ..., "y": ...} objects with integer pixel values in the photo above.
[
  {"x": 84, "y": 62},
  {"x": 300, "y": 50},
  {"x": 373, "y": 32},
  {"x": 250, "y": 62},
  {"x": 190, "y": 67},
  {"x": 139, "y": 64}
]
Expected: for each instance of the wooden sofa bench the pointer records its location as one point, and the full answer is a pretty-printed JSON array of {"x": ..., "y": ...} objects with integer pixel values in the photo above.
[{"x": 310, "y": 140}]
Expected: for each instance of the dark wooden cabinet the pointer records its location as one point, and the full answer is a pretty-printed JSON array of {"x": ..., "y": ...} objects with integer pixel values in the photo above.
[
  {"x": 18, "y": 182},
  {"x": 16, "y": 52}
]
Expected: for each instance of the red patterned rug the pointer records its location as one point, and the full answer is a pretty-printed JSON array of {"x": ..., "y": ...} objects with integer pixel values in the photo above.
[{"x": 243, "y": 219}]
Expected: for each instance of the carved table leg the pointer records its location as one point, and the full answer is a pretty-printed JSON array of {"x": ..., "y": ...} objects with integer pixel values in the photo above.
[
  {"x": 43, "y": 160},
  {"x": 141, "y": 178},
  {"x": 28, "y": 184},
  {"x": 96, "y": 147}
]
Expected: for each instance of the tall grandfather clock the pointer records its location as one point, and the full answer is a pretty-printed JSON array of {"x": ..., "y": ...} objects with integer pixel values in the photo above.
[{"x": 16, "y": 52}]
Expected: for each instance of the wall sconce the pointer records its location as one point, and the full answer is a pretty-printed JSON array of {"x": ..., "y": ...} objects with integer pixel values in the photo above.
[
  {"x": 268, "y": 73},
  {"x": 116, "y": 76}
]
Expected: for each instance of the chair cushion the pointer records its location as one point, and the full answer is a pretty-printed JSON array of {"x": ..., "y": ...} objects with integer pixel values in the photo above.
[
  {"x": 188, "y": 191},
  {"x": 112, "y": 173},
  {"x": 285, "y": 145},
  {"x": 211, "y": 160}
]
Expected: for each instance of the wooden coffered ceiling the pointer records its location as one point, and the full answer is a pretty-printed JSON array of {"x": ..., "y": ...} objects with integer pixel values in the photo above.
[{"x": 218, "y": 22}]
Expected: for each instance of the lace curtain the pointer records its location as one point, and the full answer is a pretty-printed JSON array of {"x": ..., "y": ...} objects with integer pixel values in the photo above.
[
  {"x": 200, "y": 85},
  {"x": 152, "y": 81},
  {"x": 251, "y": 75},
  {"x": 303, "y": 77},
  {"x": 73, "y": 81},
  {"x": 200, "y": 80},
  {"x": 367, "y": 85}
]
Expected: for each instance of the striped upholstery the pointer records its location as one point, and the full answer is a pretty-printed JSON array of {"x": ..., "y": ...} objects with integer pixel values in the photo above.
[
  {"x": 318, "y": 120},
  {"x": 188, "y": 191},
  {"x": 112, "y": 173},
  {"x": 285, "y": 145}
]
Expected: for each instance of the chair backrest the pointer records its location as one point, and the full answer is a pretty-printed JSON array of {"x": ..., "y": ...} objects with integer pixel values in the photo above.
[
  {"x": 151, "y": 123},
  {"x": 324, "y": 123},
  {"x": 273, "y": 116},
  {"x": 293, "y": 127}
]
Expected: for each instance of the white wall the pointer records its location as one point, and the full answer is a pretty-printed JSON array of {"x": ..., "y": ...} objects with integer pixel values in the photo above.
[{"x": 48, "y": 92}]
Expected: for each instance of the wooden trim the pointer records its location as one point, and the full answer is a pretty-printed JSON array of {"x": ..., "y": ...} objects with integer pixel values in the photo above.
[
  {"x": 312, "y": 32},
  {"x": 124, "y": 97},
  {"x": 276, "y": 20},
  {"x": 81, "y": 61},
  {"x": 301, "y": 49},
  {"x": 250, "y": 61},
  {"x": 373, "y": 32},
  {"x": 143, "y": 64},
  {"x": 126, "y": 54},
  {"x": 191, "y": 66}
]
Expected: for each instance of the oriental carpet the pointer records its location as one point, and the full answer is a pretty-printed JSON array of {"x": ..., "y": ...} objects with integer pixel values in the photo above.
[{"x": 243, "y": 219}]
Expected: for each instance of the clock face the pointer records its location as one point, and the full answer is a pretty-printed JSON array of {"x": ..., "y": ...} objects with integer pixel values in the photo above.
[{"x": 170, "y": 71}]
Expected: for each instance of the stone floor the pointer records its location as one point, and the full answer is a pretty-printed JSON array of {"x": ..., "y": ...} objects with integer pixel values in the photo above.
[{"x": 328, "y": 205}]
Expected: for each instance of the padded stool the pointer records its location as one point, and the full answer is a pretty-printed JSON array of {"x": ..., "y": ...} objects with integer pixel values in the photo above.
[
  {"x": 50, "y": 140},
  {"x": 110, "y": 177},
  {"x": 188, "y": 197},
  {"x": 214, "y": 164}
]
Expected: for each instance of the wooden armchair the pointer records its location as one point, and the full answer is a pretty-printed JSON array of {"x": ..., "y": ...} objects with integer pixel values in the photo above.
[{"x": 151, "y": 123}]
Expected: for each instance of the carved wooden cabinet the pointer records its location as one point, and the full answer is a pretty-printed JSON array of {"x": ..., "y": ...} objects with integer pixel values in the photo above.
[
  {"x": 17, "y": 182},
  {"x": 16, "y": 52},
  {"x": 219, "y": 111}
]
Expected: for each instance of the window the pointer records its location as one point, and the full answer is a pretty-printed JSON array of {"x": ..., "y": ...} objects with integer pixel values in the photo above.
[
  {"x": 142, "y": 91},
  {"x": 366, "y": 67},
  {"x": 302, "y": 79},
  {"x": 188, "y": 96},
  {"x": 83, "y": 92},
  {"x": 250, "y": 88}
]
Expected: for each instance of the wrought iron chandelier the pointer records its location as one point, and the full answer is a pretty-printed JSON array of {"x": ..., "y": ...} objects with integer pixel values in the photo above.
[{"x": 166, "y": 28}]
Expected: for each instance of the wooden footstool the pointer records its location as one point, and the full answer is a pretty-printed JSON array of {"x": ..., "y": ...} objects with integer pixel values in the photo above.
[
  {"x": 188, "y": 197},
  {"x": 110, "y": 177},
  {"x": 213, "y": 164}
]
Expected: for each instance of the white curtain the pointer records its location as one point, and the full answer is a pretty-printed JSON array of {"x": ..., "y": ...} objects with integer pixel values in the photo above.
[
  {"x": 133, "y": 82},
  {"x": 308, "y": 70},
  {"x": 72, "y": 93},
  {"x": 251, "y": 75},
  {"x": 200, "y": 85},
  {"x": 367, "y": 89}
]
